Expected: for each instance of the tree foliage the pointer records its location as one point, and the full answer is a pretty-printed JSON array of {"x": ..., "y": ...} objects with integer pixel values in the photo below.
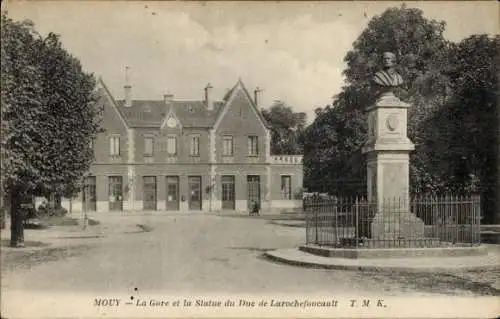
[
  {"x": 49, "y": 114},
  {"x": 462, "y": 136},
  {"x": 286, "y": 128},
  {"x": 417, "y": 43}
]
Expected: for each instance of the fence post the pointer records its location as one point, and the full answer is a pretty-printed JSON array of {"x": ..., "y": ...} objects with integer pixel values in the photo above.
[
  {"x": 316, "y": 224},
  {"x": 306, "y": 214},
  {"x": 357, "y": 221},
  {"x": 477, "y": 212}
]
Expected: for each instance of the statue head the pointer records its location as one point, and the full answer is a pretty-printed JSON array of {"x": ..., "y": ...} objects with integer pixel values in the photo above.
[
  {"x": 389, "y": 60},
  {"x": 388, "y": 77}
]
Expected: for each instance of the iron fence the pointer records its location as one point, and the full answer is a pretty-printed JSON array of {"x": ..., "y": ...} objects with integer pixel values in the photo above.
[{"x": 423, "y": 221}]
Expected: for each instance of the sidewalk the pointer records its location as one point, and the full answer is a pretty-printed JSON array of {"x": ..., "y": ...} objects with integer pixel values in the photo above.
[{"x": 296, "y": 257}]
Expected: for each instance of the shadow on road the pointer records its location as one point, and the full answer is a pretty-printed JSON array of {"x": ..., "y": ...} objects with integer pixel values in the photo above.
[
  {"x": 27, "y": 244},
  {"x": 257, "y": 249}
]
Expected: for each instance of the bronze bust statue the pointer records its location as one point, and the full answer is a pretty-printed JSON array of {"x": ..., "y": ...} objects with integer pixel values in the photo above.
[{"x": 388, "y": 77}]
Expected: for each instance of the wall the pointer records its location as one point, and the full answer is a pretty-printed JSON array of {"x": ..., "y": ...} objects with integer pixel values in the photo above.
[
  {"x": 113, "y": 125},
  {"x": 240, "y": 121}
]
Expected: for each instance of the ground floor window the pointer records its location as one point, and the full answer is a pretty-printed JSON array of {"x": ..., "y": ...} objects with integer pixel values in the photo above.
[{"x": 286, "y": 187}]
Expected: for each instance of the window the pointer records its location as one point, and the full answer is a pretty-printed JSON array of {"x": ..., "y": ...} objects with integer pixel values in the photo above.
[
  {"x": 286, "y": 187},
  {"x": 195, "y": 145},
  {"x": 172, "y": 145},
  {"x": 114, "y": 146},
  {"x": 253, "y": 145},
  {"x": 227, "y": 146},
  {"x": 91, "y": 143},
  {"x": 148, "y": 146}
]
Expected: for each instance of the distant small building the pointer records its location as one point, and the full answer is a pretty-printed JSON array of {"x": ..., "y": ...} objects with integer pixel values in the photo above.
[{"x": 171, "y": 155}]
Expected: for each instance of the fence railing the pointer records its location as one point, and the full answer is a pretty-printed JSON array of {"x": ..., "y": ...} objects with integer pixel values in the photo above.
[{"x": 425, "y": 221}]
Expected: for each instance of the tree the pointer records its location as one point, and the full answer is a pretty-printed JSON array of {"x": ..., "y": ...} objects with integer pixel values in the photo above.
[
  {"x": 286, "y": 128},
  {"x": 467, "y": 125},
  {"x": 49, "y": 117},
  {"x": 421, "y": 48}
]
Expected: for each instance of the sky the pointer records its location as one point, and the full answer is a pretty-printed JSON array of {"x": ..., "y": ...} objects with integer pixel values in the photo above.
[{"x": 293, "y": 51}]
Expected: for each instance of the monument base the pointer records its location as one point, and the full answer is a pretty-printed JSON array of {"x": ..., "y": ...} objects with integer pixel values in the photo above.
[
  {"x": 388, "y": 253},
  {"x": 403, "y": 225}
]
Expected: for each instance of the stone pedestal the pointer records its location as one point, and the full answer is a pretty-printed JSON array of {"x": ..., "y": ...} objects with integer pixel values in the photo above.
[
  {"x": 387, "y": 150},
  {"x": 396, "y": 226}
]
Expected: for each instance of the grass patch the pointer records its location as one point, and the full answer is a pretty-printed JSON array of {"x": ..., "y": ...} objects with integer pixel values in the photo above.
[
  {"x": 58, "y": 221},
  {"x": 29, "y": 258}
]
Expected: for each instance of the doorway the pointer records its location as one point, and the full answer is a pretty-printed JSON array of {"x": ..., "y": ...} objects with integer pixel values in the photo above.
[
  {"x": 115, "y": 193},
  {"x": 172, "y": 193},
  {"x": 228, "y": 198},
  {"x": 149, "y": 192},
  {"x": 253, "y": 185},
  {"x": 194, "y": 183}
]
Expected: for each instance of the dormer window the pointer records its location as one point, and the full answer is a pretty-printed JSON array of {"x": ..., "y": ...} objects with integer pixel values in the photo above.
[
  {"x": 195, "y": 145},
  {"x": 172, "y": 145}
]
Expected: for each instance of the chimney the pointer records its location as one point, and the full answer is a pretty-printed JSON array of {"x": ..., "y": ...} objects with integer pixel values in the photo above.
[
  {"x": 256, "y": 96},
  {"x": 168, "y": 98},
  {"x": 208, "y": 97},
  {"x": 128, "y": 89}
]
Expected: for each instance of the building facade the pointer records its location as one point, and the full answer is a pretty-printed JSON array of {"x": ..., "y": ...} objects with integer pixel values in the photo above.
[{"x": 170, "y": 155}]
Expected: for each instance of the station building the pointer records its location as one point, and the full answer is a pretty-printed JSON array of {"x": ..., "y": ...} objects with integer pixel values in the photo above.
[{"x": 201, "y": 155}]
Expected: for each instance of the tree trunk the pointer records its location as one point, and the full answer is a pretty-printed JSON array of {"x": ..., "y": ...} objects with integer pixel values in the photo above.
[{"x": 16, "y": 220}]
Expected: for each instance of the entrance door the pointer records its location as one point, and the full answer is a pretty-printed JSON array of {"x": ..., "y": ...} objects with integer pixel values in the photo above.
[
  {"x": 89, "y": 194},
  {"x": 228, "y": 201},
  {"x": 172, "y": 192},
  {"x": 149, "y": 192},
  {"x": 253, "y": 182},
  {"x": 115, "y": 193},
  {"x": 194, "y": 192}
]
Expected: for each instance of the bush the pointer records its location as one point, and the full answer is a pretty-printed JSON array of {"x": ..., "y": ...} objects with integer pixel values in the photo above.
[
  {"x": 29, "y": 213},
  {"x": 46, "y": 210}
]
